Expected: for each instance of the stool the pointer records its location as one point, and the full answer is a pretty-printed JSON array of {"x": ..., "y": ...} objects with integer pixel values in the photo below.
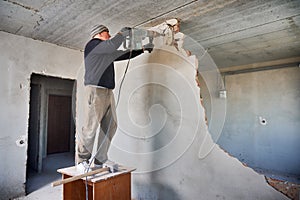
[{"x": 104, "y": 185}]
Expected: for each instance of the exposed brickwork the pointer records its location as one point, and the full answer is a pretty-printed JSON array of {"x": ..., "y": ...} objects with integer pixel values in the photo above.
[{"x": 291, "y": 190}]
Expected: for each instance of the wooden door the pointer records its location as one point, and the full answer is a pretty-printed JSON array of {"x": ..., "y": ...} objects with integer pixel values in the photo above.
[{"x": 59, "y": 124}]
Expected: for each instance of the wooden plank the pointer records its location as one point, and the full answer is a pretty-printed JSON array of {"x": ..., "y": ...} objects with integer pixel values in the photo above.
[
  {"x": 71, "y": 171},
  {"x": 81, "y": 176},
  {"x": 122, "y": 170}
]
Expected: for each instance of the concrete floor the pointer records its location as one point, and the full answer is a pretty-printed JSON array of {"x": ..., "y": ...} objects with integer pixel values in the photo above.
[{"x": 38, "y": 185}]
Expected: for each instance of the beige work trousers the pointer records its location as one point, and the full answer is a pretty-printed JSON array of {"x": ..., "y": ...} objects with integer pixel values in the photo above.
[{"x": 100, "y": 116}]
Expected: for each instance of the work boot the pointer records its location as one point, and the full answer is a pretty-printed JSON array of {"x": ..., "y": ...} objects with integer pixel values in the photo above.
[
  {"x": 114, "y": 167},
  {"x": 98, "y": 164},
  {"x": 83, "y": 167}
]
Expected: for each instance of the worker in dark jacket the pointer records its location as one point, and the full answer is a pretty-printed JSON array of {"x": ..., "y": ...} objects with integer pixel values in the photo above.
[{"x": 99, "y": 105}]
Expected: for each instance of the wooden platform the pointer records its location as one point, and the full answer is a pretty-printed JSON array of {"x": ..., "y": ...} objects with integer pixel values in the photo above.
[{"x": 104, "y": 186}]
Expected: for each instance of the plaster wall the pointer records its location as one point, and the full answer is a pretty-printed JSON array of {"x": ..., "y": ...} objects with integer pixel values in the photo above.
[
  {"x": 19, "y": 58},
  {"x": 161, "y": 132},
  {"x": 273, "y": 96},
  {"x": 161, "y": 125}
]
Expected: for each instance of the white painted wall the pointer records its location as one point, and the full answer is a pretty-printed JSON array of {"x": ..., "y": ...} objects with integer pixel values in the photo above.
[{"x": 19, "y": 58}]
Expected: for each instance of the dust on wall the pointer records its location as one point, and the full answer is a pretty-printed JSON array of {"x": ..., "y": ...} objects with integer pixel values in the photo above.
[{"x": 162, "y": 132}]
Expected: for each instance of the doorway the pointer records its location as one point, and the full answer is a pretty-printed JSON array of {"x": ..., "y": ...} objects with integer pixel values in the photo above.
[{"x": 51, "y": 130}]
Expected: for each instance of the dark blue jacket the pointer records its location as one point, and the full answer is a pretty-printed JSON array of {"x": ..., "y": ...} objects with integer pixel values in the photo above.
[{"x": 99, "y": 57}]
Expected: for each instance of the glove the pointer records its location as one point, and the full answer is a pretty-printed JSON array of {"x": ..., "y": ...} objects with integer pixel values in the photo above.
[
  {"x": 125, "y": 31},
  {"x": 148, "y": 47}
]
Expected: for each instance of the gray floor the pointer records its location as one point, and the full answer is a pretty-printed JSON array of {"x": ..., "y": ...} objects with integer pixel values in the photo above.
[{"x": 38, "y": 185}]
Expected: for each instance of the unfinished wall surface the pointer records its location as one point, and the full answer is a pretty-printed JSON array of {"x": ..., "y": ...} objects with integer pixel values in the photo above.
[
  {"x": 19, "y": 58},
  {"x": 272, "y": 146},
  {"x": 161, "y": 125},
  {"x": 161, "y": 132}
]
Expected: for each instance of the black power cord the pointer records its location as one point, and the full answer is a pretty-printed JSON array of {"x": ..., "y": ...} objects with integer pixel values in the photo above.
[{"x": 127, "y": 66}]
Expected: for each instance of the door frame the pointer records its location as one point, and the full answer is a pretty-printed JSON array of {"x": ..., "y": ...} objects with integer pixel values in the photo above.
[
  {"x": 46, "y": 89},
  {"x": 34, "y": 135}
]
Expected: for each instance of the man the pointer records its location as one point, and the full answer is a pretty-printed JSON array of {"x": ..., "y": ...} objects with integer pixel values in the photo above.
[{"x": 99, "y": 80}]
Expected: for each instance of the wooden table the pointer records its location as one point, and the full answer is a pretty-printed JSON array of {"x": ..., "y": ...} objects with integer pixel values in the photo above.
[{"x": 104, "y": 186}]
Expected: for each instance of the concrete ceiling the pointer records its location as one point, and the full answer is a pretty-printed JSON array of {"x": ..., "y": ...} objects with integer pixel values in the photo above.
[{"x": 234, "y": 32}]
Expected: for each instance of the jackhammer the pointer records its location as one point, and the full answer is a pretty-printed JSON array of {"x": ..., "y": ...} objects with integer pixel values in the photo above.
[{"x": 137, "y": 37}]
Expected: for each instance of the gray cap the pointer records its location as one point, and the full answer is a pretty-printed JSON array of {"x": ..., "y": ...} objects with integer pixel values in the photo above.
[{"x": 98, "y": 29}]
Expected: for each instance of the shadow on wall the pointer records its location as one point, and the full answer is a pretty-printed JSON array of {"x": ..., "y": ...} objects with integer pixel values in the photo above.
[{"x": 154, "y": 191}]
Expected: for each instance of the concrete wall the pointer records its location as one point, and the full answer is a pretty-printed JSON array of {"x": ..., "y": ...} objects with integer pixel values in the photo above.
[
  {"x": 161, "y": 125},
  {"x": 19, "y": 58},
  {"x": 273, "y": 95},
  {"x": 161, "y": 132}
]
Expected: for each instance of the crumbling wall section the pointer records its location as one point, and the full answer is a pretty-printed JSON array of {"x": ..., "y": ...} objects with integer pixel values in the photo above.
[{"x": 162, "y": 132}]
